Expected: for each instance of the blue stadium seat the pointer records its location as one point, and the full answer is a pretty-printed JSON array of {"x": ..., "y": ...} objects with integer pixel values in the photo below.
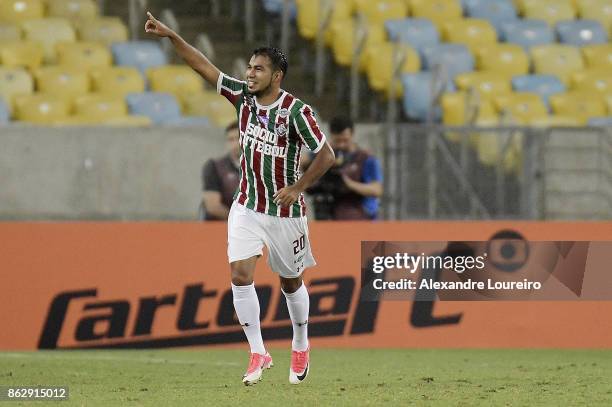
[
  {"x": 581, "y": 32},
  {"x": 139, "y": 54},
  {"x": 160, "y": 107},
  {"x": 498, "y": 12},
  {"x": 454, "y": 58},
  {"x": 601, "y": 121},
  {"x": 276, "y": 7},
  {"x": 418, "y": 95},
  {"x": 543, "y": 85},
  {"x": 5, "y": 115},
  {"x": 527, "y": 33},
  {"x": 418, "y": 32}
]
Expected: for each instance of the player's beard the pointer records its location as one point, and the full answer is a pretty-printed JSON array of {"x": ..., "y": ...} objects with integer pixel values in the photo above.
[{"x": 263, "y": 92}]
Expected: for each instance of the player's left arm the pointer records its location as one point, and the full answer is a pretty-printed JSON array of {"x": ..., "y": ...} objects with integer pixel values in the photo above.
[{"x": 372, "y": 180}]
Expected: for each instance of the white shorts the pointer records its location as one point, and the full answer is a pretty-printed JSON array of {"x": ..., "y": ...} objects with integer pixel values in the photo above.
[{"x": 286, "y": 239}]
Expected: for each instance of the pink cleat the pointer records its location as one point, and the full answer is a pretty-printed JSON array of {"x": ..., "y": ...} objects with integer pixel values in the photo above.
[
  {"x": 257, "y": 363},
  {"x": 300, "y": 362}
]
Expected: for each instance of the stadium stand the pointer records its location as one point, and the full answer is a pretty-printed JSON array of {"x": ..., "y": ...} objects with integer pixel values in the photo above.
[
  {"x": 509, "y": 59},
  {"x": 16, "y": 11},
  {"x": 438, "y": 11},
  {"x": 49, "y": 32},
  {"x": 420, "y": 89},
  {"x": 14, "y": 82},
  {"x": 454, "y": 58},
  {"x": 417, "y": 32},
  {"x": 581, "y": 32},
  {"x": 472, "y": 32},
  {"x": 380, "y": 67},
  {"x": 25, "y": 54},
  {"x": 9, "y": 32},
  {"x": 543, "y": 85},
  {"x": 86, "y": 55},
  {"x": 161, "y": 108},
  {"x": 117, "y": 80},
  {"x": 141, "y": 55},
  {"x": 73, "y": 9},
  {"x": 557, "y": 59},
  {"x": 598, "y": 55},
  {"x": 66, "y": 82},
  {"x": 497, "y": 12},
  {"x": 527, "y": 33},
  {"x": 551, "y": 11},
  {"x": 41, "y": 108},
  {"x": 578, "y": 104},
  {"x": 106, "y": 30}
]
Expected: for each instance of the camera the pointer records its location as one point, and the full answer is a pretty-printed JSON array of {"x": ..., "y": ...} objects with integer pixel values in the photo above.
[{"x": 329, "y": 189}]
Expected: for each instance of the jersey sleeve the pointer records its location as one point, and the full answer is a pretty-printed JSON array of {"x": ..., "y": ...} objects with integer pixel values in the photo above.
[
  {"x": 230, "y": 88},
  {"x": 308, "y": 129}
]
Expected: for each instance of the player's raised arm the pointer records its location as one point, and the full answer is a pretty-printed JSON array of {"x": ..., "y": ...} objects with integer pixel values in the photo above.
[{"x": 194, "y": 58}]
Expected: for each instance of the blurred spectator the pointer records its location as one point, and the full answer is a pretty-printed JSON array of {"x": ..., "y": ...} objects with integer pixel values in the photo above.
[
  {"x": 351, "y": 188},
  {"x": 220, "y": 178}
]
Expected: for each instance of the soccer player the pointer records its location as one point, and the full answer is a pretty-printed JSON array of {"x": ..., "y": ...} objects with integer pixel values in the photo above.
[{"x": 268, "y": 207}]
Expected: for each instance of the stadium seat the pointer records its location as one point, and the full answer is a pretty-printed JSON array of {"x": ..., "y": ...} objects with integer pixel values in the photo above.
[
  {"x": 198, "y": 104},
  {"x": 581, "y": 32},
  {"x": 556, "y": 59},
  {"x": 73, "y": 9},
  {"x": 507, "y": 59},
  {"x": 438, "y": 11},
  {"x": 581, "y": 105},
  {"x": 14, "y": 82},
  {"x": 106, "y": 30},
  {"x": 416, "y": 32},
  {"x": 117, "y": 80},
  {"x": 343, "y": 39},
  {"x": 26, "y": 54},
  {"x": 16, "y": 11},
  {"x": 466, "y": 108},
  {"x": 179, "y": 80},
  {"x": 521, "y": 107},
  {"x": 453, "y": 59},
  {"x": 378, "y": 11},
  {"x": 471, "y": 32},
  {"x": 100, "y": 107},
  {"x": 556, "y": 121},
  {"x": 341, "y": 11},
  {"x": 276, "y": 7},
  {"x": 62, "y": 81},
  {"x": 543, "y": 85},
  {"x": 551, "y": 11},
  {"x": 488, "y": 84},
  {"x": 5, "y": 114},
  {"x": 49, "y": 32},
  {"x": 598, "y": 56},
  {"x": 600, "y": 121},
  {"x": 593, "y": 80},
  {"x": 495, "y": 147},
  {"x": 609, "y": 103},
  {"x": 86, "y": 55},
  {"x": 221, "y": 112},
  {"x": 600, "y": 10},
  {"x": 419, "y": 93},
  {"x": 139, "y": 54},
  {"x": 375, "y": 36},
  {"x": 159, "y": 107},
  {"x": 527, "y": 33},
  {"x": 380, "y": 67},
  {"x": 497, "y": 12},
  {"x": 40, "y": 108},
  {"x": 9, "y": 32}
]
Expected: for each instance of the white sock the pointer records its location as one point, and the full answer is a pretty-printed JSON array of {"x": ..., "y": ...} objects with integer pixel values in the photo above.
[
  {"x": 246, "y": 305},
  {"x": 298, "y": 304}
]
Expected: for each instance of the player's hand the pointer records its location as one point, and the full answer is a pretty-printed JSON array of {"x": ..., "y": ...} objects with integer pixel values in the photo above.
[
  {"x": 287, "y": 196},
  {"x": 154, "y": 26}
]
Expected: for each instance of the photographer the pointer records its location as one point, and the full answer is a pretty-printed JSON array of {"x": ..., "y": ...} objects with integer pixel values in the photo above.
[{"x": 351, "y": 188}]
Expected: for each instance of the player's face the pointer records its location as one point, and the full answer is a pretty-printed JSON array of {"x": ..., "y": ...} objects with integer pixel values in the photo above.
[
  {"x": 342, "y": 141},
  {"x": 233, "y": 143},
  {"x": 259, "y": 75}
]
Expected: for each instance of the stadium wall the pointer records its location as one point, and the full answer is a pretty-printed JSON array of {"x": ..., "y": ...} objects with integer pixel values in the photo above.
[{"x": 152, "y": 285}]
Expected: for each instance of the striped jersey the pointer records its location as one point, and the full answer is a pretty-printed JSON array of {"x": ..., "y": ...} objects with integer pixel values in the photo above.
[{"x": 271, "y": 140}]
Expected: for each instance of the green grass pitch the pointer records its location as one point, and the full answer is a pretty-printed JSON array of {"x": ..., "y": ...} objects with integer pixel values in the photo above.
[{"x": 338, "y": 377}]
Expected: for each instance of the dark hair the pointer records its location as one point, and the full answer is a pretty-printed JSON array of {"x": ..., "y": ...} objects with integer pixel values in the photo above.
[
  {"x": 233, "y": 125},
  {"x": 277, "y": 57},
  {"x": 340, "y": 123}
]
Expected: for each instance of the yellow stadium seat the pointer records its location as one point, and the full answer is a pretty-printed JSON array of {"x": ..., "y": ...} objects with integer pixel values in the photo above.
[
  {"x": 380, "y": 66},
  {"x": 488, "y": 84},
  {"x": 222, "y": 113},
  {"x": 609, "y": 103},
  {"x": 600, "y": 10},
  {"x": 493, "y": 148},
  {"x": 28, "y": 54},
  {"x": 599, "y": 55},
  {"x": 9, "y": 32},
  {"x": 593, "y": 80},
  {"x": 438, "y": 11},
  {"x": 308, "y": 16},
  {"x": 21, "y": 10},
  {"x": 117, "y": 80},
  {"x": 100, "y": 107},
  {"x": 378, "y": 11},
  {"x": 85, "y": 55},
  {"x": 14, "y": 82},
  {"x": 343, "y": 34},
  {"x": 49, "y": 32},
  {"x": 179, "y": 80},
  {"x": 557, "y": 59},
  {"x": 41, "y": 108},
  {"x": 62, "y": 81},
  {"x": 72, "y": 9},
  {"x": 104, "y": 29},
  {"x": 508, "y": 59},
  {"x": 556, "y": 121},
  {"x": 376, "y": 36},
  {"x": 581, "y": 105},
  {"x": 472, "y": 32},
  {"x": 198, "y": 104},
  {"x": 466, "y": 108},
  {"x": 551, "y": 11},
  {"x": 521, "y": 107}
]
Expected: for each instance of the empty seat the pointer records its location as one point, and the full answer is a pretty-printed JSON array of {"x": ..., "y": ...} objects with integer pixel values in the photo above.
[
  {"x": 106, "y": 30},
  {"x": 159, "y": 107},
  {"x": 117, "y": 80},
  {"x": 497, "y": 12},
  {"x": 378, "y": 11},
  {"x": 139, "y": 54},
  {"x": 527, "y": 33},
  {"x": 488, "y": 84},
  {"x": 419, "y": 91},
  {"x": 86, "y": 55},
  {"x": 40, "y": 108},
  {"x": 100, "y": 107},
  {"x": 600, "y": 10},
  {"x": 543, "y": 85},
  {"x": 276, "y": 7},
  {"x": 593, "y": 80},
  {"x": 521, "y": 107},
  {"x": 556, "y": 59},
  {"x": 21, "y": 10},
  {"x": 198, "y": 104},
  {"x": 62, "y": 81},
  {"x": 551, "y": 11},
  {"x": 581, "y": 32},
  {"x": 27, "y": 54},
  {"x": 600, "y": 121},
  {"x": 473, "y": 33},
  {"x": 438, "y": 11},
  {"x": 416, "y": 32},
  {"x": 72, "y": 9},
  {"x": 343, "y": 40},
  {"x": 581, "y": 105},
  {"x": 380, "y": 67},
  {"x": 49, "y": 32},
  {"x": 466, "y": 108},
  {"x": 598, "y": 56},
  {"x": 14, "y": 82},
  {"x": 179, "y": 80},
  {"x": 508, "y": 59},
  {"x": 453, "y": 59},
  {"x": 9, "y": 32},
  {"x": 222, "y": 113}
]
